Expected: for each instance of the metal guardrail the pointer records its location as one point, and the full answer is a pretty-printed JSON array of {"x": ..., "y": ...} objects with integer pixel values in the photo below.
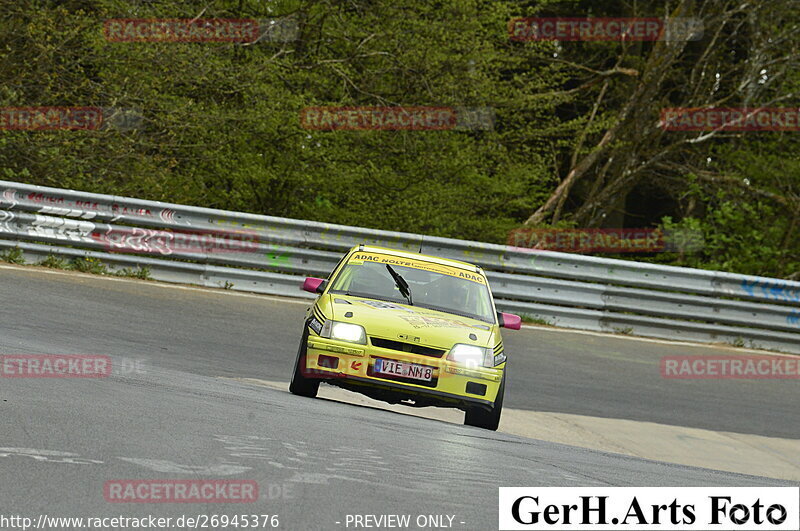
[{"x": 270, "y": 255}]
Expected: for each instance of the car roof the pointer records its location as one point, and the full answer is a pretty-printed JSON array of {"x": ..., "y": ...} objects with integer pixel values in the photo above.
[{"x": 407, "y": 254}]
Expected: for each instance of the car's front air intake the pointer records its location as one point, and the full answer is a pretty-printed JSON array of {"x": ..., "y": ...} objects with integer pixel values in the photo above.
[{"x": 407, "y": 347}]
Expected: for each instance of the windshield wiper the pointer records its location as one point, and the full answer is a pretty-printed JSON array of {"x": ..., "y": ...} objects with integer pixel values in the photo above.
[{"x": 401, "y": 284}]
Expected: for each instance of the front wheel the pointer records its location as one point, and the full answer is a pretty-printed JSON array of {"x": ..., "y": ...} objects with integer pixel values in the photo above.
[
  {"x": 488, "y": 420},
  {"x": 300, "y": 385}
]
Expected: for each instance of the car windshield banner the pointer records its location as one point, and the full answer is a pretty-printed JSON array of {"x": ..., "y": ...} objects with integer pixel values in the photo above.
[{"x": 361, "y": 257}]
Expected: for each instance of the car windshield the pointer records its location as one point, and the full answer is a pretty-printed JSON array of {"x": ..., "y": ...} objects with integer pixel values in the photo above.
[{"x": 446, "y": 289}]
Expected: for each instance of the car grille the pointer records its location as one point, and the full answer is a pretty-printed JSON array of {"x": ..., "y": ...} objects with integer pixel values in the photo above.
[{"x": 411, "y": 348}]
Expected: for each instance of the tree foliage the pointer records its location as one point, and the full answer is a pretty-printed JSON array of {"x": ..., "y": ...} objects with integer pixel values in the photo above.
[{"x": 576, "y": 139}]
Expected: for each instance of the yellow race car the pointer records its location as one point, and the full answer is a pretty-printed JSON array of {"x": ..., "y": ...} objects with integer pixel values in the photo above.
[{"x": 406, "y": 328}]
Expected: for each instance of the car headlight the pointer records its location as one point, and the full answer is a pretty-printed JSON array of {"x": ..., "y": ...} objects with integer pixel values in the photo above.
[
  {"x": 471, "y": 356},
  {"x": 350, "y": 332}
]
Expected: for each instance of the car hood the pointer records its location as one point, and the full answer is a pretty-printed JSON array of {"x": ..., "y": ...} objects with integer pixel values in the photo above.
[{"x": 392, "y": 320}]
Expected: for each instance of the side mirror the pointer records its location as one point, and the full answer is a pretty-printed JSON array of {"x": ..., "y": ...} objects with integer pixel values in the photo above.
[
  {"x": 314, "y": 285},
  {"x": 509, "y": 320}
]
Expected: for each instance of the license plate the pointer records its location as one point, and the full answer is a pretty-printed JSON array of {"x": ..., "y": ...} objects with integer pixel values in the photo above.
[{"x": 404, "y": 370}]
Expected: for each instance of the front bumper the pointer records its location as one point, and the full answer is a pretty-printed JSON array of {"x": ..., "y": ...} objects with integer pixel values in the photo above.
[{"x": 352, "y": 366}]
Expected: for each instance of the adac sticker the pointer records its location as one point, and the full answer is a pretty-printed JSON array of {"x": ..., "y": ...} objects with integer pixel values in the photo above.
[
  {"x": 383, "y": 305},
  {"x": 315, "y": 325},
  {"x": 422, "y": 321},
  {"x": 359, "y": 258}
]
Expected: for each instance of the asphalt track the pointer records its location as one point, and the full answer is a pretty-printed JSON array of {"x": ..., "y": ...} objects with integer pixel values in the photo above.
[{"x": 176, "y": 413}]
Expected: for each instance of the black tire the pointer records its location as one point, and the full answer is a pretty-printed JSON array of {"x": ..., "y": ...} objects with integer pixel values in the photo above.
[
  {"x": 488, "y": 420},
  {"x": 300, "y": 385}
]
